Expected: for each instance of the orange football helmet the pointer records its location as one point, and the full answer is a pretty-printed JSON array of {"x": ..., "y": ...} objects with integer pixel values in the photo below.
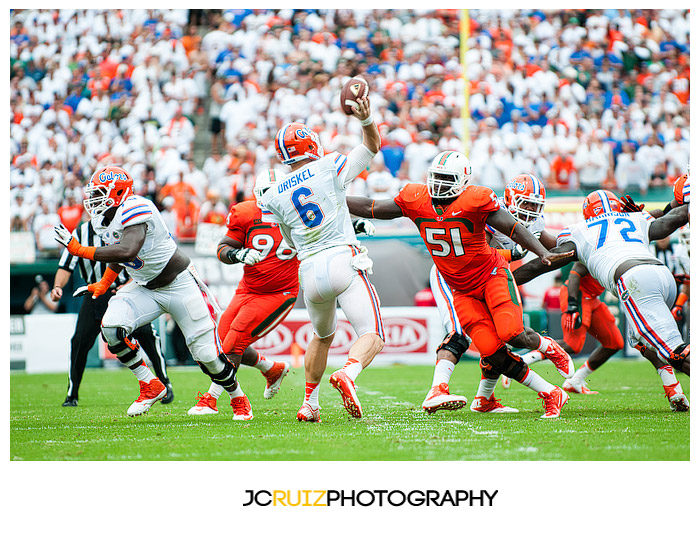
[
  {"x": 600, "y": 202},
  {"x": 524, "y": 198},
  {"x": 681, "y": 189},
  {"x": 108, "y": 187},
  {"x": 295, "y": 142}
]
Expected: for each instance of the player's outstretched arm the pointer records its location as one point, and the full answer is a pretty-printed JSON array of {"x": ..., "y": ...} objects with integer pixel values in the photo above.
[
  {"x": 572, "y": 315},
  {"x": 562, "y": 255},
  {"x": 370, "y": 133},
  {"x": 665, "y": 225},
  {"x": 504, "y": 222},
  {"x": 380, "y": 209}
]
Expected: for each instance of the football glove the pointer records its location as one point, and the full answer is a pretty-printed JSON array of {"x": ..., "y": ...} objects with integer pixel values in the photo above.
[
  {"x": 363, "y": 226},
  {"x": 628, "y": 204},
  {"x": 572, "y": 318},
  {"x": 247, "y": 256},
  {"x": 62, "y": 235}
]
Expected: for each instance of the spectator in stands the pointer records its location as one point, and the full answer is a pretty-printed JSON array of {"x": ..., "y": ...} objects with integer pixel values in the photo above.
[
  {"x": 39, "y": 300},
  {"x": 44, "y": 222},
  {"x": 632, "y": 173},
  {"x": 71, "y": 212},
  {"x": 592, "y": 163},
  {"x": 213, "y": 210}
]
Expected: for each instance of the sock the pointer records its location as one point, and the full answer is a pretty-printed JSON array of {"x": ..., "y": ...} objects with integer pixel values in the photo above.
[
  {"x": 215, "y": 390},
  {"x": 311, "y": 395},
  {"x": 668, "y": 377},
  {"x": 352, "y": 368},
  {"x": 236, "y": 392},
  {"x": 443, "y": 370},
  {"x": 263, "y": 364},
  {"x": 486, "y": 387},
  {"x": 582, "y": 373},
  {"x": 536, "y": 382},
  {"x": 142, "y": 372},
  {"x": 532, "y": 357}
]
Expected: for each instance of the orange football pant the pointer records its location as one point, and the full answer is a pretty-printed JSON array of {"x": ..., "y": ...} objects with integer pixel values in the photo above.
[
  {"x": 492, "y": 314},
  {"x": 251, "y": 316},
  {"x": 596, "y": 319}
]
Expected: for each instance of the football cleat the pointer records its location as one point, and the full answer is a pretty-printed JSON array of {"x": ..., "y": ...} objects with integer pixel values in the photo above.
[
  {"x": 676, "y": 399},
  {"x": 206, "y": 405},
  {"x": 70, "y": 401},
  {"x": 150, "y": 393},
  {"x": 241, "y": 408},
  {"x": 274, "y": 378},
  {"x": 553, "y": 402},
  {"x": 439, "y": 397},
  {"x": 169, "y": 396},
  {"x": 481, "y": 404},
  {"x": 557, "y": 355},
  {"x": 577, "y": 387},
  {"x": 308, "y": 414},
  {"x": 505, "y": 382},
  {"x": 346, "y": 388}
]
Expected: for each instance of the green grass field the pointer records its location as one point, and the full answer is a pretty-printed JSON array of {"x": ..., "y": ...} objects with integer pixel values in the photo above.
[{"x": 629, "y": 420}]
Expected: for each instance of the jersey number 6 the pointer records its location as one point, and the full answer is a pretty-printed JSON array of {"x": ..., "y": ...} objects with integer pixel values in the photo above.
[{"x": 310, "y": 213}]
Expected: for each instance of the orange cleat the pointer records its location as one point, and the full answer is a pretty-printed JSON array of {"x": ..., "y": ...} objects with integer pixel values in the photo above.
[
  {"x": 206, "y": 405},
  {"x": 150, "y": 393},
  {"x": 274, "y": 378},
  {"x": 346, "y": 388},
  {"x": 308, "y": 414},
  {"x": 557, "y": 355},
  {"x": 241, "y": 408},
  {"x": 439, "y": 398},
  {"x": 553, "y": 402},
  {"x": 481, "y": 404}
]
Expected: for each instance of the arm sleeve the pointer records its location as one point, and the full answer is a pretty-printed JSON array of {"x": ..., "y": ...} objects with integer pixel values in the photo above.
[{"x": 349, "y": 167}]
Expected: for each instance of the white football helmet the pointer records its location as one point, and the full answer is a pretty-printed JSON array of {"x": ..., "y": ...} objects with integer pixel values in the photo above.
[
  {"x": 265, "y": 179},
  {"x": 448, "y": 175}
]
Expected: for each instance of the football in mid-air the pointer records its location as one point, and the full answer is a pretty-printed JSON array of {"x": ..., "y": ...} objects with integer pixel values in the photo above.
[{"x": 353, "y": 89}]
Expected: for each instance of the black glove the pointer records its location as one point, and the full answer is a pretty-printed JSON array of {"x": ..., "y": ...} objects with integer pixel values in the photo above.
[{"x": 628, "y": 204}]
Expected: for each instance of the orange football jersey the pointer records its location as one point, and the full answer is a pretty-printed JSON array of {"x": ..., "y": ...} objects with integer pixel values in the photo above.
[
  {"x": 454, "y": 234},
  {"x": 278, "y": 270}
]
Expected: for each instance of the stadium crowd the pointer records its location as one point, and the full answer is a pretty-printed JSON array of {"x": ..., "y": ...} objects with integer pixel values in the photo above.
[{"x": 581, "y": 98}]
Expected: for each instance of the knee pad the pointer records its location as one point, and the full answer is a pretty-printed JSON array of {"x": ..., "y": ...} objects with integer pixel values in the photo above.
[
  {"x": 455, "y": 343},
  {"x": 508, "y": 364},
  {"x": 119, "y": 342},
  {"x": 679, "y": 356},
  {"x": 226, "y": 378}
]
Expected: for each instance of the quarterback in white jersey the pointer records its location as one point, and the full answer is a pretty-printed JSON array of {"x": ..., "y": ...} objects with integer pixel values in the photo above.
[
  {"x": 163, "y": 280},
  {"x": 614, "y": 247},
  {"x": 309, "y": 206}
]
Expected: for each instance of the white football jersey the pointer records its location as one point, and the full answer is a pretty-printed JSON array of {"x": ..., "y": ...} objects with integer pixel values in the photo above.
[
  {"x": 604, "y": 242},
  {"x": 310, "y": 202},
  {"x": 158, "y": 247},
  {"x": 536, "y": 228}
]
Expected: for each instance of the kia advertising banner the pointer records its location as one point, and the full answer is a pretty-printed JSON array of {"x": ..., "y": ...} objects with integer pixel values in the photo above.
[{"x": 412, "y": 334}]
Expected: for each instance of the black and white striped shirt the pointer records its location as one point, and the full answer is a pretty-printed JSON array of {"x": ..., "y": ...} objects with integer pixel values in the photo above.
[{"x": 91, "y": 271}]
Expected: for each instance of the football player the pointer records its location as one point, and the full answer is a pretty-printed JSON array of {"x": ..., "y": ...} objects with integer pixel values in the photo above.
[
  {"x": 451, "y": 216},
  {"x": 614, "y": 248},
  {"x": 163, "y": 280},
  {"x": 264, "y": 297},
  {"x": 309, "y": 206},
  {"x": 524, "y": 198}
]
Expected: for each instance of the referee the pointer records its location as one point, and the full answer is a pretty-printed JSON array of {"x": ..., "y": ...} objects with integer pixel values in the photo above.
[{"x": 90, "y": 316}]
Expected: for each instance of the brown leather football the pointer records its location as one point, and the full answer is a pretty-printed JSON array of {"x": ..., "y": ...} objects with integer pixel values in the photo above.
[{"x": 352, "y": 90}]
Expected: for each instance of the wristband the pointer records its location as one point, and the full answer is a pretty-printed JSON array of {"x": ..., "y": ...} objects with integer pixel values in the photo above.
[
  {"x": 682, "y": 298},
  {"x": 367, "y": 122},
  {"x": 76, "y": 248},
  {"x": 231, "y": 254},
  {"x": 572, "y": 301},
  {"x": 513, "y": 230}
]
